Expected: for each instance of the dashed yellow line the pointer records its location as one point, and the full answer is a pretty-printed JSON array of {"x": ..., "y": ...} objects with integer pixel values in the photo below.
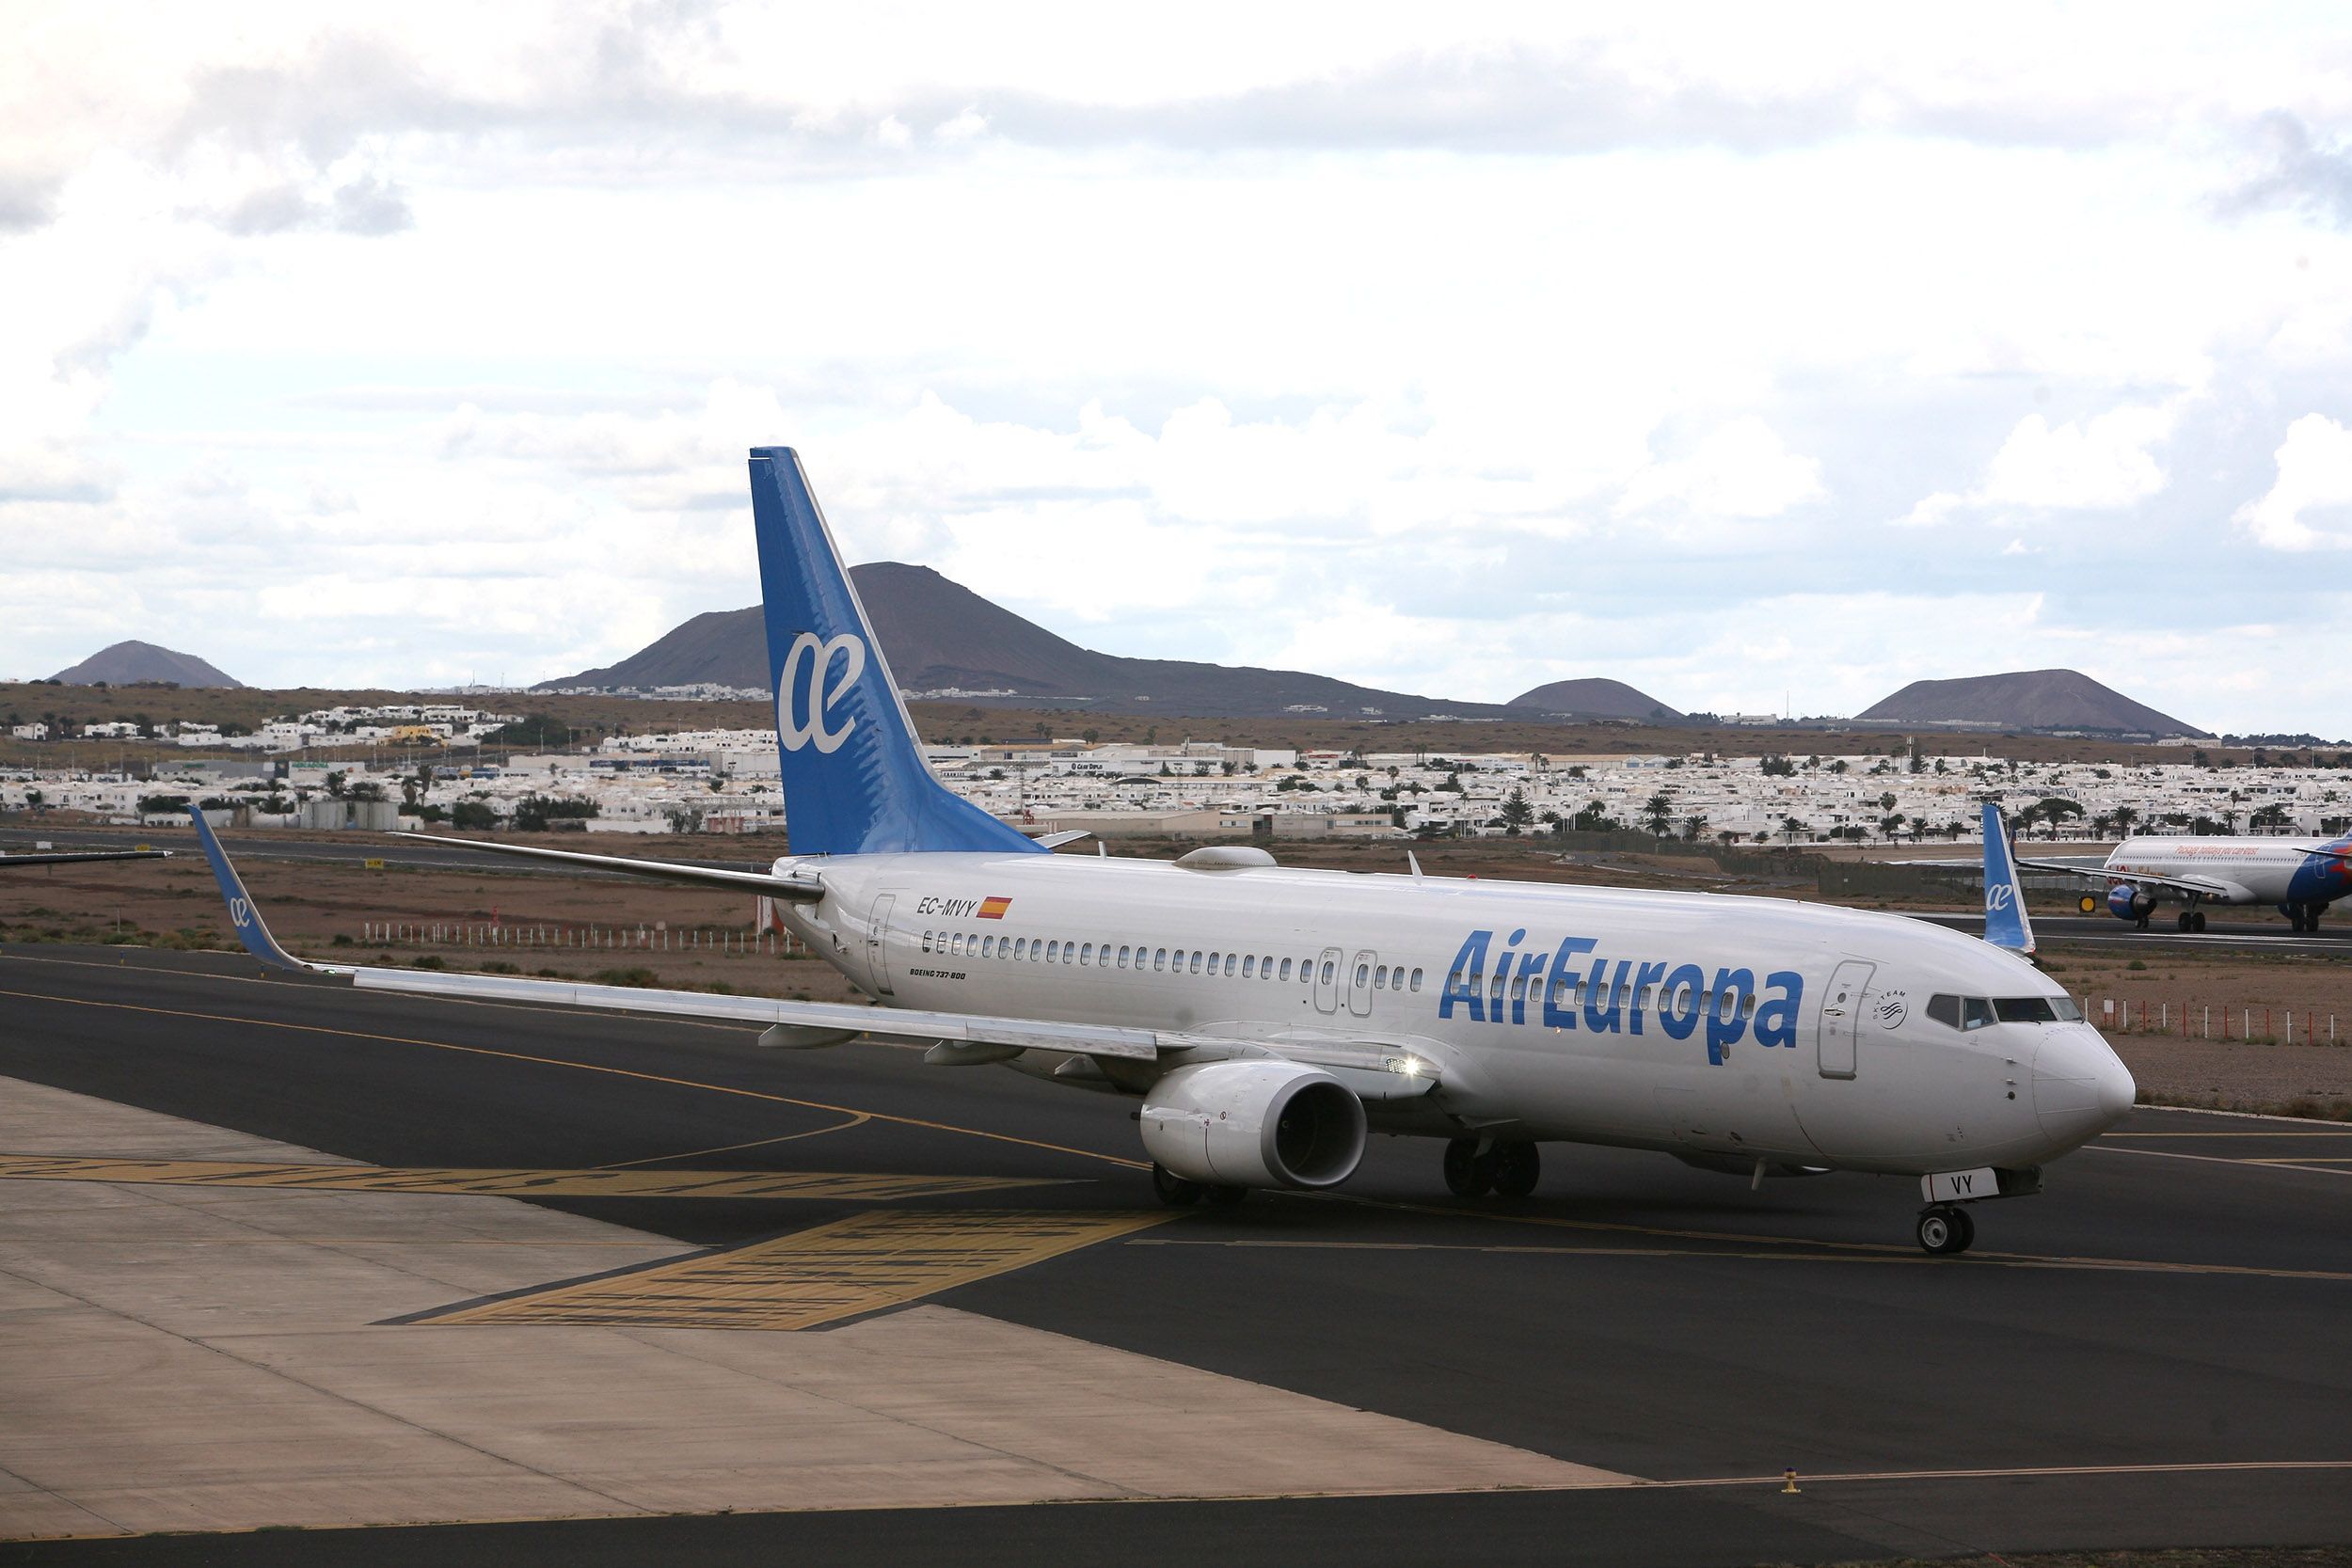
[
  {"x": 608, "y": 1182},
  {"x": 864, "y": 1263}
]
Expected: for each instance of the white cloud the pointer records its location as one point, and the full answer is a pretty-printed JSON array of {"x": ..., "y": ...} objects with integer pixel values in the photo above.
[
  {"x": 2102, "y": 464},
  {"x": 1742, "y": 469},
  {"x": 2315, "y": 476},
  {"x": 1472, "y": 352}
]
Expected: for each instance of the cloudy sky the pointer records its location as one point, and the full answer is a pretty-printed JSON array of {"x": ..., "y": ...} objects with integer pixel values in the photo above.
[{"x": 1742, "y": 360}]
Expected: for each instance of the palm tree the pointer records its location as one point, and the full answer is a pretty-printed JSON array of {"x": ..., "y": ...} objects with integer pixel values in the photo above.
[
  {"x": 1693, "y": 825},
  {"x": 2124, "y": 817},
  {"x": 1658, "y": 811}
]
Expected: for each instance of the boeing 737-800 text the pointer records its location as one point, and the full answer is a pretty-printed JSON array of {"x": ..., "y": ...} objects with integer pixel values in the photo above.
[{"x": 1262, "y": 1020}]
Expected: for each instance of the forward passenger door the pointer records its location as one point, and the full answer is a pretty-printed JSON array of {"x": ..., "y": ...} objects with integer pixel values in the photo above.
[{"x": 1841, "y": 1014}]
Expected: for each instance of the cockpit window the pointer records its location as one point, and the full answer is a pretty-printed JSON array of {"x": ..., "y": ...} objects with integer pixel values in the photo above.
[{"x": 1976, "y": 1012}]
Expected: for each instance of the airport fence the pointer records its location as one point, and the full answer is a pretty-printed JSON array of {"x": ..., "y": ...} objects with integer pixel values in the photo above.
[
  {"x": 716, "y": 940},
  {"x": 2206, "y": 1020}
]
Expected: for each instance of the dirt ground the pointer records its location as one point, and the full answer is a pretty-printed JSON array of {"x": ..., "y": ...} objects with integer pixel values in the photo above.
[{"x": 685, "y": 938}]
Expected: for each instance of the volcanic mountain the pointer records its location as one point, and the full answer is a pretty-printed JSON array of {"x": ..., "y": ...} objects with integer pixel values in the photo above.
[
  {"x": 2029, "y": 700},
  {"x": 1595, "y": 698},
  {"x": 128, "y": 663},
  {"x": 940, "y": 635}
]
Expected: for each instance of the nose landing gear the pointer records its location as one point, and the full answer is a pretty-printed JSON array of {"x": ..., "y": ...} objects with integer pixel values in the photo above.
[{"x": 1945, "y": 1229}]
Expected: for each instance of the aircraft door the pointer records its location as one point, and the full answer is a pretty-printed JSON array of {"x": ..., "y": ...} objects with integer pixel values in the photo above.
[
  {"x": 1359, "y": 983},
  {"x": 1328, "y": 981},
  {"x": 878, "y": 944},
  {"x": 1841, "y": 1013}
]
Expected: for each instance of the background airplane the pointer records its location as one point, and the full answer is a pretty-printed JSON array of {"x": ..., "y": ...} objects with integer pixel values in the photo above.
[{"x": 2300, "y": 876}]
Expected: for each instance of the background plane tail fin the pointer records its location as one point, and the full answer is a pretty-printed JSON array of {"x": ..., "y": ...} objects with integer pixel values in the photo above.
[
  {"x": 854, "y": 779},
  {"x": 2006, "y": 923}
]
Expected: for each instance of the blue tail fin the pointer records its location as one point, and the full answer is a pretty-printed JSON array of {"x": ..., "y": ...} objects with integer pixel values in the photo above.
[
  {"x": 242, "y": 915},
  {"x": 854, "y": 779},
  {"x": 2005, "y": 920}
]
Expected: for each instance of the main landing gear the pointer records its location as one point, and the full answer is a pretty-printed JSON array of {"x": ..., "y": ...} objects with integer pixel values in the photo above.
[
  {"x": 2304, "y": 917},
  {"x": 1945, "y": 1229},
  {"x": 2191, "y": 920},
  {"x": 1475, "y": 1166},
  {"x": 1178, "y": 1193}
]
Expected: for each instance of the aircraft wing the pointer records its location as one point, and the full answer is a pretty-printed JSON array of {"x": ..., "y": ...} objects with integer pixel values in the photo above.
[
  {"x": 705, "y": 876},
  {"x": 795, "y": 1023},
  {"x": 75, "y": 857},
  {"x": 2202, "y": 887}
]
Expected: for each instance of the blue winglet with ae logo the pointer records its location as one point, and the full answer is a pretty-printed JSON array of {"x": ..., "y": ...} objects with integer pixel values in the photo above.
[
  {"x": 2006, "y": 923},
  {"x": 854, "y": 779},
  {"x": 242, "y": 915}
]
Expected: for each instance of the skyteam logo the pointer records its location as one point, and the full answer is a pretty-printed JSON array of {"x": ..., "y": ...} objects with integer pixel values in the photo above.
[{"x": 805, "y": 699}]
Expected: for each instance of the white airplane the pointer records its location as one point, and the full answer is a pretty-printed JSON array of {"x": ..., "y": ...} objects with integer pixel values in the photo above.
[
  {"x": 2301, "y": 876},
  {"x": 1262, "y": 1021}
]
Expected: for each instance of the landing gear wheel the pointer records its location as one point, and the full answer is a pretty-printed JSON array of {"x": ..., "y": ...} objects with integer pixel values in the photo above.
[
  {"x": 1172, "y": 1189},
  {"x": 2186, "y": 920},
  {"x": 2197, "y": 921},
  {"x": 2296, "y": 920},
  {"x": 1468, "y": 1175},
  {"x": 1227, "y": 1197},
  {"x": 1518, "y": 1168},
  {"x": 2140, "y": 923},
  {"x": 1945, "y": 1230}
]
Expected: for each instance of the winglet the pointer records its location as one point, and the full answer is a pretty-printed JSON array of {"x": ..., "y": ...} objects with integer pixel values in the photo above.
[
  {"x": 2006, "y": 923},
  {"x": 242, "y": 915}
]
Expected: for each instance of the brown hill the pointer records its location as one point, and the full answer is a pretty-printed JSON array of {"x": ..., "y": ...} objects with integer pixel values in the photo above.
[
  {"x": 2029, "y": 700},
  {"x": 126, "y": 663},
  {"x": 938, "y": 634},
  {"x": 1596, "y": 698}
]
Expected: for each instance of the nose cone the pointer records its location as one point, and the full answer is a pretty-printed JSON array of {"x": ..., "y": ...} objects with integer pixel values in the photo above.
[{"x": 2080, "y": 1089}]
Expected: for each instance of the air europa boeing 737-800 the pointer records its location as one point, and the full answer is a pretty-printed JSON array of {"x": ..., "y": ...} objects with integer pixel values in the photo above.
[
  {"x": 1262, "y": 1021},
  {"x": 2300, "y": 877}
]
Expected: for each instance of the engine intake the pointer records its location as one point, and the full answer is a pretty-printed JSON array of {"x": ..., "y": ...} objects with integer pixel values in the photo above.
[
  {"x": 2126, "y": 902},
  {"x": 1254, "y": 1124}
]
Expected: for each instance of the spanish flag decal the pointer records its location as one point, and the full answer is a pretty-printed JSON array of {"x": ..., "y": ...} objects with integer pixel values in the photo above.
[{"x": 994, "y": 909}]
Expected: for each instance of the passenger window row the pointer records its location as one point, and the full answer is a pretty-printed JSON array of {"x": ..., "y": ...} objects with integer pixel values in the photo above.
[{"x": 1180, "y": 960}]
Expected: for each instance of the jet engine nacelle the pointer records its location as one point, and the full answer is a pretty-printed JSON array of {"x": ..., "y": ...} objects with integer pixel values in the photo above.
[
  {"x": 1254, "y": 1124},
  {"x": 2126, "y": 902}
]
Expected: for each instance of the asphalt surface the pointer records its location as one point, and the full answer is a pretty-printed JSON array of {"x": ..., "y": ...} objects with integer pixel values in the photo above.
[{"x": 2149, "y": 1354}]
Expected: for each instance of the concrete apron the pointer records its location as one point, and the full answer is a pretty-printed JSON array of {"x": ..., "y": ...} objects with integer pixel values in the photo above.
[{"x": 191, "y": 1358}]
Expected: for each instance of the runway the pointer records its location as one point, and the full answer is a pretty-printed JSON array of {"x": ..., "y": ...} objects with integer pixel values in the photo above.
[
  {"x": 2236, "y": 931},
  {"x": 2150, "y": 1354}
]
